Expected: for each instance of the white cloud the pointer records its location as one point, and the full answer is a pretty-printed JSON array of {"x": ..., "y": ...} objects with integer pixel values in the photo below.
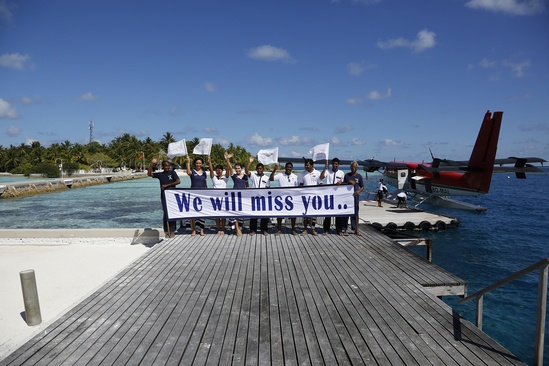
[
  {"x": 14, "y": 61},
  {"x": 89, "y": 96},
  {"x": 517, "y": 67},
  {"x": 424, "y": 40},
  {"x": 344, "y": 128},
  {"x": 389, "y": 142},
  {"x": 211, "y": 130},
  {"x": 367, "y": 2},
  {"x": 487, "y": 63},
  {"x": 292, "y": 140},
  {"x": 353, "y": 101},
  {"x": 357, "y": 68},
  {"x": 211, "y": 87},
  {"x": 356, "y": 141},
  {"x": 5, "y": 10},
  {"x": 373, "y": 95},
  {"x": 270, "y": 53},
  {"x": 13, "y": 131},
  {"x": 514, "y": 7},
  {"x": 174, "y": 111},
  {"x": 376, "y": 95},
  {"x": 223, "y": 142},
  {"x": 7, "y": 111},
  {"x": 257, "y": 140},
  {"x": 335, "y": 141}
]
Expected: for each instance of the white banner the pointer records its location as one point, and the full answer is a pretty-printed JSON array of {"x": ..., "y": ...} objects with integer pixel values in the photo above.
[{"x": 324, "y": 200}]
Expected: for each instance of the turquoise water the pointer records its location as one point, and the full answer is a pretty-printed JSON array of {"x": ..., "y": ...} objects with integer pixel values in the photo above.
[{"x": 511, "y": 235}]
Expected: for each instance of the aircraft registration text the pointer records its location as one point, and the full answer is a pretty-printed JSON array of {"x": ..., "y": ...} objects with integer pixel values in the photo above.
[{"x": 438, "y": 190}]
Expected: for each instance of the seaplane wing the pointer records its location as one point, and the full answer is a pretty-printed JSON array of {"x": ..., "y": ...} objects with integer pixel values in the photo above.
[{"x": 520, "y": 167}]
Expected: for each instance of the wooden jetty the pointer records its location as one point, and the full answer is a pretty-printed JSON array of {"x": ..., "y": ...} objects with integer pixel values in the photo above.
[
  {"x": 409, "y": 218},
  {"x": 269, "y": 300}
]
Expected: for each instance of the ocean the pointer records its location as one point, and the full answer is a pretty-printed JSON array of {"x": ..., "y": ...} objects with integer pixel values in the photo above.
[{"x": 483, "y": 249}]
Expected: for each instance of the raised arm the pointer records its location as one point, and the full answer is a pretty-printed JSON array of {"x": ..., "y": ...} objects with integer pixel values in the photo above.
[
  {"x": 189, "y": 173},
  {"x": 323, "y": 174},
  {"x": 153, "y": 163},
  {"x": 248, "y": 166},
  {"x": 212, "y": 174},
  {"x": 229, "y": 169},
  {"x": 272, "y": 176}
]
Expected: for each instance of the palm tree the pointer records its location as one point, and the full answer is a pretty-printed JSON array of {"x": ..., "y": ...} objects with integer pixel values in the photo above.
[{"x": 167, "y": 139}]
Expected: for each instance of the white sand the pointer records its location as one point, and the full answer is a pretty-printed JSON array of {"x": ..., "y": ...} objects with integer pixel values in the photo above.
[{"x": 67, "y": 271}]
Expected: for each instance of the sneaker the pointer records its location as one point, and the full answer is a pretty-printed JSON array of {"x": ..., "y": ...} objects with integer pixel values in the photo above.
[
  {"x": 294, "y": 232},
  {"x": 313, "y": 232},
  {"x": 278, "y": 232},
  {"x": 252, "y": 233},
  {"x": 265, "y": 233}
]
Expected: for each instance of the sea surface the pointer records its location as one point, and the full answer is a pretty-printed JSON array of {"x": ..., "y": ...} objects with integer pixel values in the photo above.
[{"x": 483, "y": 249}]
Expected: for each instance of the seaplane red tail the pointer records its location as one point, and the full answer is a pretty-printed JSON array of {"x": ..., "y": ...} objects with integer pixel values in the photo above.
[{"x": 481, "y": 163}]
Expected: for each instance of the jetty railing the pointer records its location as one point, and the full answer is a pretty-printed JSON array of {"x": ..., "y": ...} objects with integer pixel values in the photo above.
[{"x": 542, "y": 302}]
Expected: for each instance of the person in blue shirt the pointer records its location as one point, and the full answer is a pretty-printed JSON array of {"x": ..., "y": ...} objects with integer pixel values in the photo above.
[
  {"x": 168, "y": 180},
  {"x": 198, "y": 180},
  {"x": 240, "y": 181},
  {"x": 355, "y": 179}
]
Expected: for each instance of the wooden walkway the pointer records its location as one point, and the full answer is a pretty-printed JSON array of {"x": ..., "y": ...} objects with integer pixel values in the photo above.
[
  {"x": 267, "y": 300},
  {"x": 410, "y": 218}
]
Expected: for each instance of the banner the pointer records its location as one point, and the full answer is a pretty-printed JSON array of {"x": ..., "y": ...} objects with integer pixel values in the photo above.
[
  {"x": 323, "y": 200},
  {"x": 268, "y": 156},
  {"x": 204, "y": 147},
  {"x": 320, "y": 152},
  {"x": 178, "y": 148}
]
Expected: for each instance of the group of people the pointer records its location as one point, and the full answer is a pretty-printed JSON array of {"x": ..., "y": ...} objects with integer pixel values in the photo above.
[{"x": 245, "y": 178}]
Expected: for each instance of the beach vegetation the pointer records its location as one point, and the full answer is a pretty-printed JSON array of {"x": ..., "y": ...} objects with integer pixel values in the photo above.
[{"x": 125, "y": 151}]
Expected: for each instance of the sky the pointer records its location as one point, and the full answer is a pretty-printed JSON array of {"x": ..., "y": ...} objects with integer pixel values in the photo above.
[{"x": 384, "y": 79}]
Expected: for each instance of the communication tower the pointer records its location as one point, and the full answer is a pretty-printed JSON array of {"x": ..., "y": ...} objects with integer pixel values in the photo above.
[{"x": 91, "y": 132}]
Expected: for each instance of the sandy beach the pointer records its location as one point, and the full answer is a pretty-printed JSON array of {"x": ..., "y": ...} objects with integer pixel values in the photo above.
[{"x": 69, "y": 265}]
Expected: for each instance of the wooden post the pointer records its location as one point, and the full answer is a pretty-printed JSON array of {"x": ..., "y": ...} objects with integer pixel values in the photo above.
[
  {"x": 30, "y": 297},
  {"x": 542, "y": 308},
  {"x": 480, "y": 300}
]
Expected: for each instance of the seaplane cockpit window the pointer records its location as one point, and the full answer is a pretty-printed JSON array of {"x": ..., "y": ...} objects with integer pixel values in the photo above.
[{"x": 402, "y": 174}]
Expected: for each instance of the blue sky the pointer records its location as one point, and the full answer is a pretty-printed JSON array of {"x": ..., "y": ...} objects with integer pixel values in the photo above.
[{"x": 376, "y": 78}]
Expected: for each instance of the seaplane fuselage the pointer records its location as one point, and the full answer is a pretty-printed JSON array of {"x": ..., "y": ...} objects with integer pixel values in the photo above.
[{"x": 413, "y": 178}]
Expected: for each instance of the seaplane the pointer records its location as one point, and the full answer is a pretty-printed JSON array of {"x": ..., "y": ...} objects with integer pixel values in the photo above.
[{"x": 435, "y": 182}]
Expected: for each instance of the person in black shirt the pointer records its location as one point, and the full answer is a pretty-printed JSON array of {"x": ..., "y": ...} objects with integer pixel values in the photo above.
[{"x": 168, "y": 179}]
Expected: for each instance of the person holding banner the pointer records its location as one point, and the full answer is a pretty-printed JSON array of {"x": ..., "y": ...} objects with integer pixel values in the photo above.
[
  {"x": 334, "y": 176},
  {"x": 240, "y": 181},
  {"x": 286, "y": 179},
  {"x": 220, "y": 181},
  {"x": 309, "y": 177},
  {"x": 168, "y": 179},
  {"x": 355, "y": 179},
  {"x": 259, "y": 180},
  {"x": 198, "y": 180}
]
